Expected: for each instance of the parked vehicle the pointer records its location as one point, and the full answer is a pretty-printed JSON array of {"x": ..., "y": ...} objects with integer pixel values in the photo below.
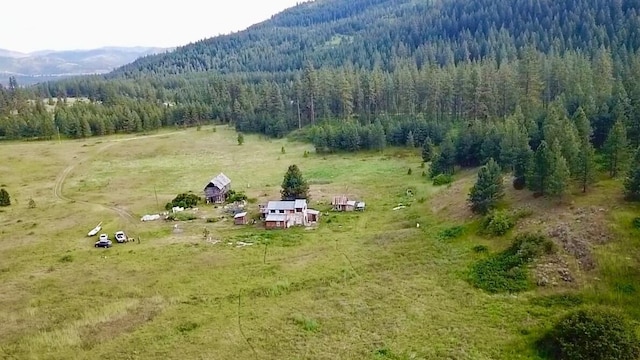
[
  {"x": 103, "y": 241},
  {"x": 121, "y": 237}
]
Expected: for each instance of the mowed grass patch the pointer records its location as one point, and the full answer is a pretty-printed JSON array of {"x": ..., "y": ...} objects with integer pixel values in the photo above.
[{"x": 362, "y": 285}]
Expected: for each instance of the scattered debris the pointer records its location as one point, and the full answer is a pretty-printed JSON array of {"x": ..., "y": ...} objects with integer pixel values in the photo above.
[
  {"x": 150, "y": 217},
  {"x": 551, "y": 271},
  {"x": 176, "y": 209},
  {"x": 400, "y": 206},
  {"x": 240, "y": 244}
]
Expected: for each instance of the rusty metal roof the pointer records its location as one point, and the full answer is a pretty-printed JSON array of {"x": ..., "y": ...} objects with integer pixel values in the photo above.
[{"x": 220, "y": 181}]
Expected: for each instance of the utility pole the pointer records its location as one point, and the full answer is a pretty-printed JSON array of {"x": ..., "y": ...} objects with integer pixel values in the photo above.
[{"x": 156, "y": 194}]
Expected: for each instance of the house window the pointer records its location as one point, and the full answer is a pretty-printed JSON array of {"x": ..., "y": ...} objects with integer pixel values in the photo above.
[
  {"x": 272, "y": 211},
  {"x": 281, "y": 211}
]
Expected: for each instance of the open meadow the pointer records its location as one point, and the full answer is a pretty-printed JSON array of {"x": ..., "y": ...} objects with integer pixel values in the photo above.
[{"x": 378, "y": 284}]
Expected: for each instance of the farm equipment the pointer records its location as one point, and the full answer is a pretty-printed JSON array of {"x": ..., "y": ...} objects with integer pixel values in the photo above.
[{"x": 95, "y": 230}]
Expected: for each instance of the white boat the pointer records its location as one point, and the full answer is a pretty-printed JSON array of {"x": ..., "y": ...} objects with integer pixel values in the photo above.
[{"x": 95, "y": 230}]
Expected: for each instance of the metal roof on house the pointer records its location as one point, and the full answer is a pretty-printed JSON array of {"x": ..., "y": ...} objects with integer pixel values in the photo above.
[
  {"x": 239, "y": 215},
  {"x": 313, "y": 212},
  {"x": 276, "y": 217},
  {"x": 286, "y": 204},
  {"x": 351, "y": 203},
  {"x": 220, "y": 181}
]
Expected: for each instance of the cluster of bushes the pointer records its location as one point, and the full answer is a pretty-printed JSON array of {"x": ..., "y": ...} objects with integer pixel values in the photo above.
[
  {"x": 506, "y": 271},
  {"x": 234, "y": 196},
  {"x": 497, "y": 223},
  {"x": 184, "y": 200},
  {"x": 636, "y": 223},
  {"x": 442, "y": 179},
  {"x": 5, "y": 199},
  {"x": 451, "y": 233},
  {"x": 591, "y": 334}
]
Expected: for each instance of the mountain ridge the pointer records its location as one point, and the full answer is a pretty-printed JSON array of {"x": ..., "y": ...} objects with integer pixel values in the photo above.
[{"x": 35, "y": 66}]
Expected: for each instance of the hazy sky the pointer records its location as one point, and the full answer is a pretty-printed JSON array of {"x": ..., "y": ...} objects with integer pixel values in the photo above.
[{"x": 29, "y": 25}]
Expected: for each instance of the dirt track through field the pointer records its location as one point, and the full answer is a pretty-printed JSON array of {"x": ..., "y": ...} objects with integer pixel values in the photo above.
[{"x": 57, "y": 189}]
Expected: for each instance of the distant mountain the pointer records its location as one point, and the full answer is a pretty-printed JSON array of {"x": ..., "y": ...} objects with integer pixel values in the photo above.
[
  {"x": 50, "y": 64},
  {"x": 12, "y": 54}
]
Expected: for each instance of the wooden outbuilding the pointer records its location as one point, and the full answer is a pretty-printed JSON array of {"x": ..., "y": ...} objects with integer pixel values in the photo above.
[
  {"x": 241, "y": 218},
  {"x": 217, "y": 189},
  {"x": 342, "y": 203}
]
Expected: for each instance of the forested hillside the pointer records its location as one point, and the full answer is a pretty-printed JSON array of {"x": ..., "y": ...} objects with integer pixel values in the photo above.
[
  {"x": 366, "y": 73},
  {"x": 370, "y": 33}
]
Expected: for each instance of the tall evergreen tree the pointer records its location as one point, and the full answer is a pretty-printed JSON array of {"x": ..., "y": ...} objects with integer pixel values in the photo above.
[
  {"x": 540, "y": 169},
  {"x": 616, "y": 149},
  {"x": 377, "y": 139},
  {"x": 585, "y": 162},
  {"x": 310, "y": 86},
  {"x": 294, "y": 186},
  {"x": 559, "y": 176},
  {"x": 445, "y": 160},
  {"x": 427, "y": 149},
  {"x": 488, "y": 189},
  {"x": 411, "y": 143},
  {"x": 523, "y": 156},
  {"x": 632, "y": 182}
]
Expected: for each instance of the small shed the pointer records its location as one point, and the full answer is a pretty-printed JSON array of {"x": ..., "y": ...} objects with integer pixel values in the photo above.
[
  {"x": 360, "y": 206},
  {"x": 217, "y": 189},
  {"x": 241, "y": 218},
  {"x": 276, "y": 221},
  {"x": 313, "y": 216},
  {"x": 342, "y": 203}
]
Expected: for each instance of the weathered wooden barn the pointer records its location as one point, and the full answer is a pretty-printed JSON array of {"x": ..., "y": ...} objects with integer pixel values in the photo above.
[{"x": 217, "y": 189}]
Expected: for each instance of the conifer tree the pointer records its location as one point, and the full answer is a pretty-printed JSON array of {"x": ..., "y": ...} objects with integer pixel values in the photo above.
[
  {"x": 445, "y": 159},
  {"x": 410, "y": 140},
  {"x": 294, "y": 186},
  {"x": 427, "y": 150},
  {"x": 523, "y": 156},
  {"x": 5, "y": 199},
  {"x": 585, "y": 162},
  {"x": 616, "y": 149},
  {"x": 378, "y": 138},
  {"x": 632, "y": 182},
  {"x": 559, "y": 175},
  {"x": 488, "y": 189},
  {"x": 508, "y": 142},
  {"x": 541, "y": 167}
]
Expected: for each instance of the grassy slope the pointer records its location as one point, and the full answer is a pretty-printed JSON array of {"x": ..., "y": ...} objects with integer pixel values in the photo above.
[{"x": 358, "y": 284}]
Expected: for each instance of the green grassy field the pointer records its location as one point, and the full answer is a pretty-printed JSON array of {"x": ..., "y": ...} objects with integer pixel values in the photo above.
[{"x": 368, "y": 285}]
